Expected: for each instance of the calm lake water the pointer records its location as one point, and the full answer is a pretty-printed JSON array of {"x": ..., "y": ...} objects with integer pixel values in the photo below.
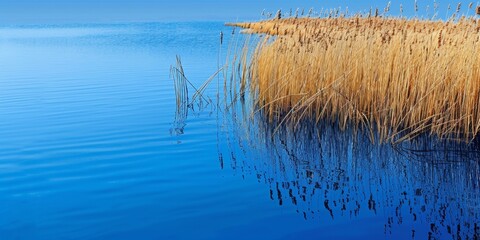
[{"x": 92, "y": 147}]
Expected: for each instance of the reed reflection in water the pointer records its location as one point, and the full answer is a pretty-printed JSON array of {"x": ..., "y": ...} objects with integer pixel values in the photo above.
[{"x": 419, "y": 189}]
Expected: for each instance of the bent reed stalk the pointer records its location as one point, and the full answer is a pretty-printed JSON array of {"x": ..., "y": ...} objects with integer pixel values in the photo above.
[{"x": 396, "y": 78}]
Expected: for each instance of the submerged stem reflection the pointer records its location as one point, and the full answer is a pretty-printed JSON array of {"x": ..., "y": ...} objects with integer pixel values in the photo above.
[{"x": 430, "y": 186}]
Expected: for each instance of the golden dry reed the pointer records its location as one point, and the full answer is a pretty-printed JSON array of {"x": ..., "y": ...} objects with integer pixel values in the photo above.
[{"x": 396, "y": 78}]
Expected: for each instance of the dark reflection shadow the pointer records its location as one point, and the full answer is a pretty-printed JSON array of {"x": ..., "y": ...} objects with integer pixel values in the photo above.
[{"x": 430, "y": 187}]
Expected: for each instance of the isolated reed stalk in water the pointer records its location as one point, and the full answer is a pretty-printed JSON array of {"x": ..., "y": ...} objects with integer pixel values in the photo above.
[{"x": 395, "y": 77}]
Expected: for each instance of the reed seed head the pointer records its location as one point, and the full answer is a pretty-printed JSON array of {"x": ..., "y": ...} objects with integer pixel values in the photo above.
[{"x": 278, "y": 15}]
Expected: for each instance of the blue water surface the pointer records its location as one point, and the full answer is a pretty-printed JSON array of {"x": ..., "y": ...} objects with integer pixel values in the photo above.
[{"x": 90, "y": 149}]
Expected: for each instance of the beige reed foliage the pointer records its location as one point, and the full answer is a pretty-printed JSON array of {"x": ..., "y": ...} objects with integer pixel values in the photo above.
[{"x": 394, "y": 77}]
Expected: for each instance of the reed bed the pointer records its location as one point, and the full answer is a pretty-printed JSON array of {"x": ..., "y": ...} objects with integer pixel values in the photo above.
[{"x": 396, "y": 78}]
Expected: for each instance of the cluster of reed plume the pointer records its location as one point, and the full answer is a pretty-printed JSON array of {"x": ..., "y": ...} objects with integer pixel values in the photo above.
[{"x": 397, "y": 78}]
